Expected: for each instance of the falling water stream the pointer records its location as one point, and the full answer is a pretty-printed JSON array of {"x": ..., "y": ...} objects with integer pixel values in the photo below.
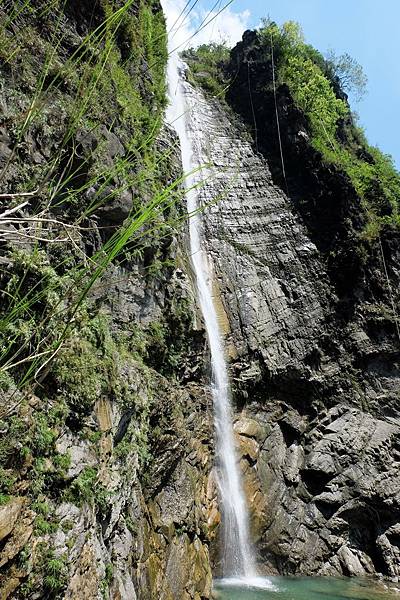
[
  {"x": 237, "y": 557},
  {"x": 240, "y": 580}
]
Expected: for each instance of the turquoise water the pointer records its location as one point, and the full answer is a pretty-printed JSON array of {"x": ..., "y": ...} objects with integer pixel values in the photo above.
[{"x": 304, "y": 588}]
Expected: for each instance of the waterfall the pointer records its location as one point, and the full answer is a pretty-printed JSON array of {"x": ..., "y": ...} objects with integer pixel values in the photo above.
[{"x": 237, "y": 557}]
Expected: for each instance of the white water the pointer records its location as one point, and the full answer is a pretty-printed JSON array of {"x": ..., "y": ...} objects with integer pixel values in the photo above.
[{"x": 237, "y": 557}]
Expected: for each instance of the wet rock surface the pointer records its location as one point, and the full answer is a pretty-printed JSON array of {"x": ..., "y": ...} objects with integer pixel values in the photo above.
[{"x": 318, "y": 385}]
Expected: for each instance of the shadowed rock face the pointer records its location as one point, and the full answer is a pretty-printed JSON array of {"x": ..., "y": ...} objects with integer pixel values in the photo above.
[
  {"x": 330, "y": 493},
  {"x": 320, "y": 192},
  {"x": 318, "y": 386}
]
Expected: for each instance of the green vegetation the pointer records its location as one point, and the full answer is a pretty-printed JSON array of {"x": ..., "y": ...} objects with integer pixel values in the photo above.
[
  {"x": 168, "y": 340},
  {"x": 83, "y": 105},
  {"x": 29, "y": 444},
  {"x": 4, "y": 499},
  {"x": 85, "y": 367},
  {"x": 98, "y": 116},
  {"x": 207, "y": 67},
  {"x": 86, "y": 488},
  {"x": 51, "y": 575},
  {"x": 314, "y": 82},
  {"x": 45, "y": 526},
  {"x": 135, "y": 442},
  {"x": 54, "y": 572},
  {"x": 109, "y": 573},
  {"x": 107, "y": 580}
]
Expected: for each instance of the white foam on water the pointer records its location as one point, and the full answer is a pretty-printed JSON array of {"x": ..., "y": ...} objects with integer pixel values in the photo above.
[{"x": 261, "y": 583}]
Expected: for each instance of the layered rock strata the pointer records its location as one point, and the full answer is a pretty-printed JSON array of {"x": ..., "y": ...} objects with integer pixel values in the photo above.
[{"x": 318, "y": 389}]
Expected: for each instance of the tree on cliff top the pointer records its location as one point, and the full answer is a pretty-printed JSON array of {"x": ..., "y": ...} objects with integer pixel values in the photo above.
[{"x": 348, "y": 72}]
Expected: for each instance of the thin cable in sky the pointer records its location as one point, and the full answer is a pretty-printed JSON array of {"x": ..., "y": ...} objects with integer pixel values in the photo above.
[
  {"x": 175, "y": 27},
  {"x": 212, "y": 29},
  {"x": 203, "y": 24}
]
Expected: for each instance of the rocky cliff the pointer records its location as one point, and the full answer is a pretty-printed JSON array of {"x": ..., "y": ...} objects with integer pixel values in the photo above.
[{"x": 308, "y": 306}]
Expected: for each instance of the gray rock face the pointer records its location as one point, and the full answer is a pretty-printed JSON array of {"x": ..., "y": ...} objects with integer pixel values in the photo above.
[
  {"x": 126, "y": 495},
  {"x": 331, "y": 495},
  {"x": 319, "y": 432},
  {"x": 272, "y": 283}
]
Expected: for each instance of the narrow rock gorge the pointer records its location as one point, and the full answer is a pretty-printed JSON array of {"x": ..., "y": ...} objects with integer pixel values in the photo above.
[{"x": 107, "y": 473}]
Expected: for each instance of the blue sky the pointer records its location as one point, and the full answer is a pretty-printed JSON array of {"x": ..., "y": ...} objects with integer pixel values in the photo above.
[{"x": 368, "y": 30}]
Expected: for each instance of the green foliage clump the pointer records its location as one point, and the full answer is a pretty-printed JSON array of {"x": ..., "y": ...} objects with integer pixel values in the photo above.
[
  {"x": 301, "y": 67},
  {"x": 315, "y": 96},
  {"x": 207, "y": 67},
  {"x": 28, "y": 444},
  {"x": 89, "y": 367},
  {"x": 44, "y": 526},
  {"x": 4, "y": 499},
  {"x": 109, "y": 573},
  {"x": 32, "y": 292},
  {"x": 86, "y": 488},
  {"x": 317, "y": 86},
  {"x": 83, "y": 374},
  {"x": 135, "y": 441},
  {"x": 54, "y": 570},
  {"x": 107, "y": 580},
  {"x": 49, "y": 573},
  {"x": 7, "y": 481}
]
